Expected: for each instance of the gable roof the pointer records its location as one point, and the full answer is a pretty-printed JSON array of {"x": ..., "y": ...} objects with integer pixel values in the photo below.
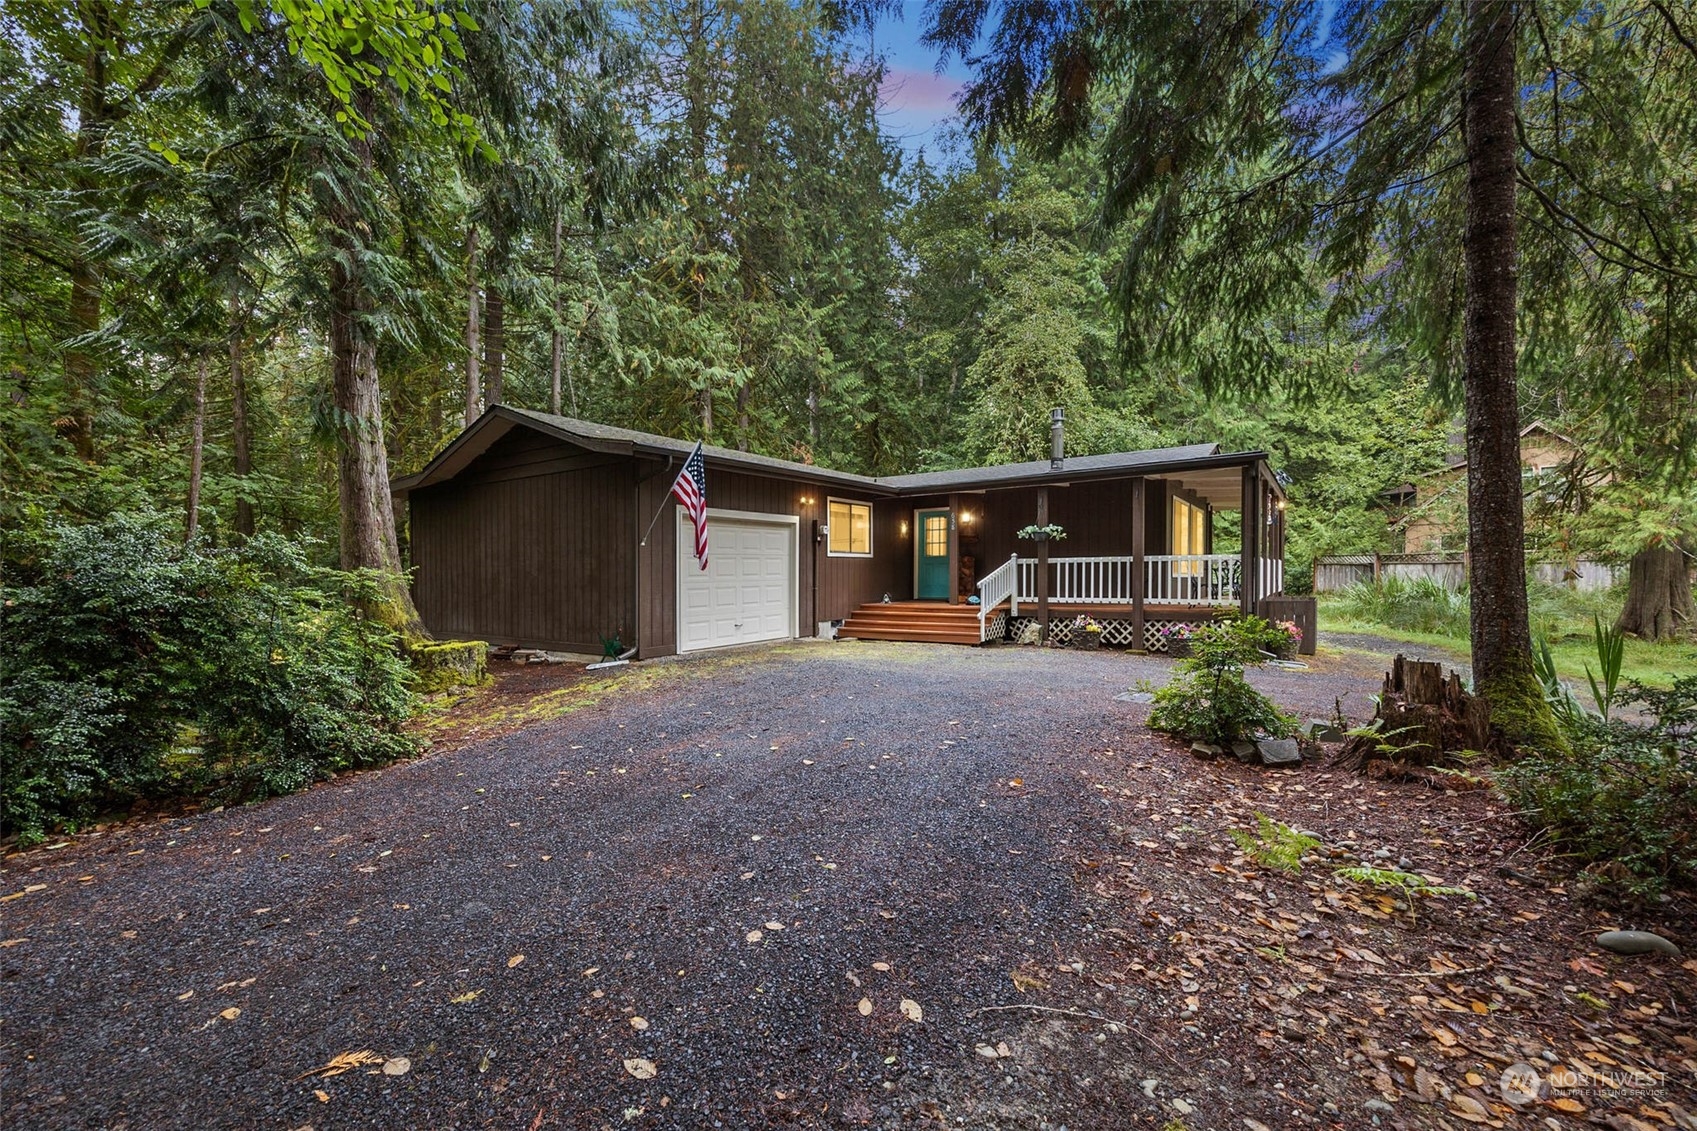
[{"x": 496, "y": 422}]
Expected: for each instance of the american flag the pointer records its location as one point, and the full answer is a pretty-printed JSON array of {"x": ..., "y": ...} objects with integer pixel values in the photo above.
[{"x": 690, "y": 488}]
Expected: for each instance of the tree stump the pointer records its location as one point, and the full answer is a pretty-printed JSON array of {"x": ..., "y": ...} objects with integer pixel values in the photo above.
[{"x": 1424, "y": 717}]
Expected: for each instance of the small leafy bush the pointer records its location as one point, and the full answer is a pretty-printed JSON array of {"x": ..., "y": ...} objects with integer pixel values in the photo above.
[
  {"x": 1209, "y": 697},
  {"x": 133, "y": 667},
  {"x": 1626, "y": 797}
]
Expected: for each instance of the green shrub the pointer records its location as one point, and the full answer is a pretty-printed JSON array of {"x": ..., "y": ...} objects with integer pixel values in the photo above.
[
  {"x": 132, "y": 667},
  {"x": 1626, "y": 797},
  {"x": 1209, "y": 698}
]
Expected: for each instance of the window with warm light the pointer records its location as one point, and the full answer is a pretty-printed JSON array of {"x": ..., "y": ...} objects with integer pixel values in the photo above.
[
  {"x": 1189, "y": 533},
  {"x": 851, "y": 529}
]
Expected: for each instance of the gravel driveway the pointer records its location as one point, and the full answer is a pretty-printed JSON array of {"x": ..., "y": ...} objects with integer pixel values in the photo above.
[{"x": 712, "y": 877}]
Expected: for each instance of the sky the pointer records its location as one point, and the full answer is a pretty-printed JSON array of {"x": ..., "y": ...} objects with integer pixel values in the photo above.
[{"x": 916, "y": 100}]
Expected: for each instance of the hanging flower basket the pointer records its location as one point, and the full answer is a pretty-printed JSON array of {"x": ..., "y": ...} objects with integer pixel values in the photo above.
[{"x": 1050, "y": 533}]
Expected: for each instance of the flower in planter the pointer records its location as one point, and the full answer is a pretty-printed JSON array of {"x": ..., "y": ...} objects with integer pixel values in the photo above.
[{"x": 1050, "y": 533}]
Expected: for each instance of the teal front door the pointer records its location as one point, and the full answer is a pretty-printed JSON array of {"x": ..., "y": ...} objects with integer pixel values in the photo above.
[{"x": 931, "y": 550}]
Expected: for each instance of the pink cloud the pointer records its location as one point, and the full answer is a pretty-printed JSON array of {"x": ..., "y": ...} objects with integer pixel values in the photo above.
[{"x": 919, "y": 92}]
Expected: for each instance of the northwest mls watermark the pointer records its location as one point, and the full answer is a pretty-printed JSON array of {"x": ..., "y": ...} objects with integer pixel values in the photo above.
[{"x": 1523, "y": 1084}]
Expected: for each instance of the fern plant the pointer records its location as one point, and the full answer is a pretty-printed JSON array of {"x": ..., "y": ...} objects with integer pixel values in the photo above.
[
  {"x": 1394, "y": 879},
  {"x": 1274, "y": 844}
]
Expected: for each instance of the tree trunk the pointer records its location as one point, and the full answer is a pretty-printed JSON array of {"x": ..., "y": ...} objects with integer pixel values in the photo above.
[
  {"x": 473, "y": 327},
  {"x": 494, "y": 346},
  {"x": 1496, "y": 538},
  {"x": 368, "y": 538},
  {"x": 197, "y": 450},
  {"x": 1658, "y": 595},
  {"x": 95, "y": 116},
  {"x": 241, "y": 439},
  {"x": 558, "y": 340}
]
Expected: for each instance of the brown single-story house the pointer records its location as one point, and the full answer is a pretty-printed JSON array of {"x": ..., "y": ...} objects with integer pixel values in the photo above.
[{"x": 534, "y": 530}]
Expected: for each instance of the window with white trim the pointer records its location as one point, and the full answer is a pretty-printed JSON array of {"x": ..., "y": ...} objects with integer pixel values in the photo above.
[{"x": 851, "y": 529}]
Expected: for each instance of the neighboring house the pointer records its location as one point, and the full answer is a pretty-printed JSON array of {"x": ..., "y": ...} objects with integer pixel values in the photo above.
[
  {"x": 533, "y": 530},
  {"x": 1431, "y": 512}
]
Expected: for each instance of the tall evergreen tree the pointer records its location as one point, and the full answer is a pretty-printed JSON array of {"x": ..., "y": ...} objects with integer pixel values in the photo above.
[{"x": 1234, "y": 153}]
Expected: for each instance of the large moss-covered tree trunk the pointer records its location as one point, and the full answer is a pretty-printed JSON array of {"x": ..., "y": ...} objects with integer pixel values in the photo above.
[
  {"x": 1501, "y": 634},
  {"x": 1658, "y": 596},
  {"x": 368, "y": 539}
]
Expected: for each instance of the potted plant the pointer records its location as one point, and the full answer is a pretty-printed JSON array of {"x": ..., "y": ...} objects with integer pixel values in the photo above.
[
  {"x": 1086, "y": 632},
  {"x": 1176, "y": 637},
  {"x": 1286, "y": 638},
  {"x": 1050, "y": 533}
]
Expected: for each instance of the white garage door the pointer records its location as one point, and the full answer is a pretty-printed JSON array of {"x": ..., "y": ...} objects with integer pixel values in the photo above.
[{"x": 747, "y": 592}]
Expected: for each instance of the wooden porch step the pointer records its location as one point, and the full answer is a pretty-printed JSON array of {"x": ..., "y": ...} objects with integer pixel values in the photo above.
[
  {"x": 912, "y": 635},
  {"x": 923, "y": 621}
]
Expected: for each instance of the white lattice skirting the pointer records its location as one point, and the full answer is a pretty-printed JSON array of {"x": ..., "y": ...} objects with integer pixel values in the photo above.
[{"x": 1115, "y": 632}]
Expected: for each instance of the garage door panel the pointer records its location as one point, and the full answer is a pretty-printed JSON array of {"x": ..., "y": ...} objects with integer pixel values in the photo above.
[{"x": 748, "y": 591}]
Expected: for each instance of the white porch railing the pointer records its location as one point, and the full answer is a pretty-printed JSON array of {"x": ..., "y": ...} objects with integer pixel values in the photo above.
[
  {"x": 1168, "y": 579},
  {"x": 1272, "y": 576},
  {"x": 1193, "y": 579},
  {"x": 1099, "y": 581},
  {"x": 994, "y": 588}
]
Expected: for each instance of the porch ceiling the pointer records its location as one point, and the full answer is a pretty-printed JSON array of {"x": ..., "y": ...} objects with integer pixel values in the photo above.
[{"x": 1222, "y": 487}]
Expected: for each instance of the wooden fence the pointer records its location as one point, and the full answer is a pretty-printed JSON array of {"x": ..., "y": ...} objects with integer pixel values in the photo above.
[{"x": 1340, "y": 571}]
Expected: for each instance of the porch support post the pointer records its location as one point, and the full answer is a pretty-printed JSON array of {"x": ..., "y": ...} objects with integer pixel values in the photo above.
[
  {"x": 1139, "y": 538},
  {"x": 1251, "y": 532},
  {"x": 1043, "y": 567},
  {"x": 954, "y": 549}
]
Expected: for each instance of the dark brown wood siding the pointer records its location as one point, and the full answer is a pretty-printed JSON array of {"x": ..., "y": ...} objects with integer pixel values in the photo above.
[
  {"x": 1096, "y": 516},
  {"x": 529, "y": 545}
]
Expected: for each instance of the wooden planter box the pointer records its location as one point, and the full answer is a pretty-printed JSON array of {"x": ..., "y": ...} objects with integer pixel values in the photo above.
[{"x": 1178, "y": 647}]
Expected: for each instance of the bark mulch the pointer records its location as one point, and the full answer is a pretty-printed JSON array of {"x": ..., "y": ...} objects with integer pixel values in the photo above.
[{"x": 833, "y": 885}]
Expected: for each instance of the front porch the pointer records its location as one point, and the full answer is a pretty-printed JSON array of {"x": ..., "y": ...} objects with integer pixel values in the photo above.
[{"x": 1177, "y": 589}]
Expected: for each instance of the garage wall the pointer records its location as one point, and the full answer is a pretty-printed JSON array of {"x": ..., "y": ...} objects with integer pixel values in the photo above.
[
  {"x": 843, "y": 583},
  {"x": 529, "y": 545}
]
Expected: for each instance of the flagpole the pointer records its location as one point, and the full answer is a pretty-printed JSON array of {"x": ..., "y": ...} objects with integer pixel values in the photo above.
[{"x": 668, "y": 499}]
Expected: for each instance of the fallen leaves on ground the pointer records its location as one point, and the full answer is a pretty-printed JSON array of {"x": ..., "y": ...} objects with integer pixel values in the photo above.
[
  {"x": 343, "y": 1062},
  {"x": 641, "y": 1068}
]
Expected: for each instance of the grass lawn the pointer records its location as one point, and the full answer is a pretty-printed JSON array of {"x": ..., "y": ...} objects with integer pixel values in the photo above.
[{"x": 1656, "y": 665}]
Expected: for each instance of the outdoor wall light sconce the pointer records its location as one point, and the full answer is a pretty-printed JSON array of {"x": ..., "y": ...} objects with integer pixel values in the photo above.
[
  {"x": 807, "y": 500},
  {"x": 904, "y": 528},
  {"x": 966, "y": 517}
]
